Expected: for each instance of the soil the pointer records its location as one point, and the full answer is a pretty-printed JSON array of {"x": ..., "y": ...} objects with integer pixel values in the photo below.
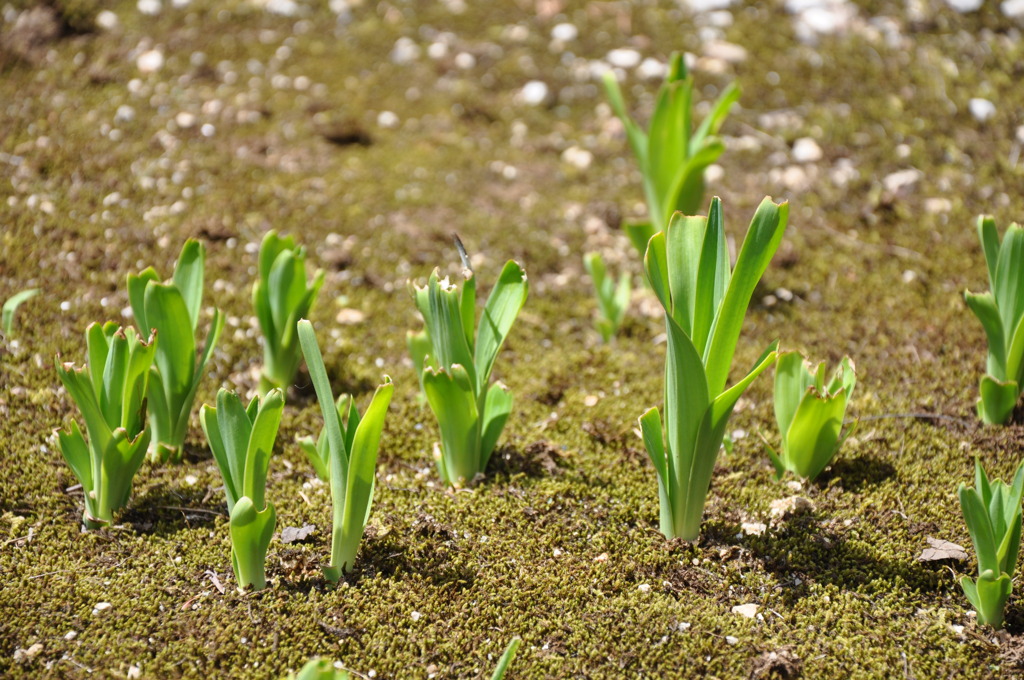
[{"x": 258, "y": 119}]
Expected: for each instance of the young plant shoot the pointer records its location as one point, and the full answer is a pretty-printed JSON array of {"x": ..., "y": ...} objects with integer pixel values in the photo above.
[
  {"x": 810, "y": 414},
  {"x": 111, "y": 394},
  {"x": 319, "y": 669},
  {"x": 11, "y": 306},
  {"x": 992, "y": 511},
  {"x": 455, "y": 369},
  {"x": 172, "y": 310},
  {"x": 1001, "y": 312},
  {"x": 705, "y": 302},
  {"x": 282, "y": 296},
  {"x": 506, "y": 659},
  {"x": 612, "y": 298},
  {"x": 242, "y": 440},
  {"x": 351, "y": 449},
  {"x": 672, "y": 156}
]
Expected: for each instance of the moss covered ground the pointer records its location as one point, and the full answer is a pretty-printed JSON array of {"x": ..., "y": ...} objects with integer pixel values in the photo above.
[{"x": 102, "y": 175}]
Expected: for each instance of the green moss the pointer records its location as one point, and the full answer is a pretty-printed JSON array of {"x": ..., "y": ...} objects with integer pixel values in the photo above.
[{"x": 556, "y": 543}]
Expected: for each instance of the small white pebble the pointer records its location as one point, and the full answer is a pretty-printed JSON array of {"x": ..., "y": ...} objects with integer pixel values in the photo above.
[
  {"x": 644, "y": 587},
  {"x": 623, "y": 58},
  {"x": 684, "y": 626},
  {"x": 652, "y": 69},
  {"x": 207, "y": 130},
  {"x": 106, "y": 20},
  {"x": 731, "y": 640},
  {"x": 557, "y": 552},
  {"x": 387, "y": 120},
  {"x": 70, "y": 635},
  {"x": 149, "y": 7},
  {"x": 191, "y": 480},
  {"x": 101, "y": 608},
  {"x": 185, "y": 120},
  {"x": 405, "y": 51},
  {"x": 534, "y": 93},
  {"x": 577, "y": 157},
  {"x": 150, "y": 61},
  {"x": 464, "y": 60},
  {"x": 981, "y": 109},
  {"x": 806, "y": 150},
  {"x": 590, "y": 400},
  {"x": 565, "y": 32},
  {"x": 65, "y": 306},
  {"x": 416, "y": 616},
  {"x": 909, "y": 276},
  {"x": 437, "y": 50},
  {"x": 747, "y": 610},
  {"x": 134, "y": 672}
]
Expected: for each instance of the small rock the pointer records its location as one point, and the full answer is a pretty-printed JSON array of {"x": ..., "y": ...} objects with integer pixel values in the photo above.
[
  {"x": 577, "y": 157},
  {"x": 350, "y": 317},
  {"x": 149, "y": 7},
  {"x": 683, "y": 626},
  {"x": 101, "y": 608},
  {"x": 725, "y": 51},
  {"x": 747, "y": 610},
  {"x": 806, "y": 150},
  {"x": 405, "y": 51},
  {"x": 106, "y": 20},
  {"x": 297, "y": 534},
  {"x": 1013, "y": 9},
  {"x": 26, "y": 655},
  {"x": 603, "y": 557},
  {"x": 70, "y": 635},
  {"x": 937, "y": 205},
  {"x": 185, "y": 120},
  {"x": 623, "y": 58},
  {"x": 590, "y": 400},
  {"x": 535, "y": 93},
  {"x": 790, "y": 506},
  {"x": 794, "y": 485},
  {"x": 753, "y": 528},
  {"x": 732, "y": 640},
  {"x": 981, "y": 109},
  {"x": 964, "y": 6},
  {"x": 134, "y": 672},
  {"x": 150, "y": 61},
  {"x": 909, "y": 276},
  {"x": 652, "y": 69},
  {"x": 644, "y": 588},
  {"x": 416, "y": 616},
  {"x": 387, "y": 120},
  {"x": 902, "y": 180},
  {"x": 191, "y": 480},
  {"x": 565, "y": 32},
  {"x": 464, "y": 61}
]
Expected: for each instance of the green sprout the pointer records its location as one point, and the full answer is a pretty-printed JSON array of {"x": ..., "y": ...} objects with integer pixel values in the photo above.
[
  {"x": 319, "y": 669},
  {"x": 672, "y": 157},
  {"x": 1001, "y": 312},
  {"x": 809, "y": 413},
  {"x": 282, "y": 296},
  {"x": 11, "y": 306},
  {"x": 705, "y": 302},
  {"x": 455, "y": 370},
  {"x": 992, "y": 511},
  {"x": 352, "y": 456},
  {"x": 318, "y": 451},
  {"x": 242, "y": 440},
  {"x": 172, "y": 310},
  {"x": 506, "y": 659},
  {"x": 612, "y": 298},
  {"x": 111, "y": 394}
]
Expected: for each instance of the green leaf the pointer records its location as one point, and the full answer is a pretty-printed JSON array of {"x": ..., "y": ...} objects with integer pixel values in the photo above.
[
  {"x": 251, "y": 532},
  {"x": 812, "y": 438},
  {"x": 137, "y": 284},
  {"x": 980, "y": 527},
  {"x": 992, "y": 594},
  {"x": 998, "y": 399},
  {"x": 687, "y": 187},
  {"x": 759, "y": 245},
  {"x": 11, "y": 306},
  {"x": 443, "y": 320},
  {"x": 713, "y": 276},
  {"x": 657, "y": 270},
  {"x": 188, "y": 278},
  {"x": 650, "y": 428},
  {"x": 1009, "y": 278},
  {"x": 1015, "y": 354},
  {"x": 989, "y": 237},
  {"x": 792, "y": 380},
  {"x": 497, "y": 408},
  {"x": 506, "y": 659},
  {"x": 451, "y": 398},
  {"x": 176, "y": 350},
  {"x": 261, "y": 445},
  {"x": 639, "y": 234},
  {"x": 76, "y": 454},
  {"x": 713, "y": 122},
  {"x": 683, "y": 250},
  {"x": 503, "y": 305},
  {"x": 361, "y": 474},
  {"x": 984, "y": 307}
]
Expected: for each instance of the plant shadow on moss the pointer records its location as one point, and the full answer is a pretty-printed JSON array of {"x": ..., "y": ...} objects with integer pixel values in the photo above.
[
  {"x": 536, "y": 460},
  {"x": 802, "y": 549},
  {"x": 856, "y": 474},
  {"x": 164, "y": 510}
]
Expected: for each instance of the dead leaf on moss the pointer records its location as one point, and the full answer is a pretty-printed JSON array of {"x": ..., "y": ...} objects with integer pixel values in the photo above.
[
  {"x": 297, "y": 534},
  {"x": 942, "y": 550}
]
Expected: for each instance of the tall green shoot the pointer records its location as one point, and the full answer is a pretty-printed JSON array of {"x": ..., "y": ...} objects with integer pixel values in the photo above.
[
  {"x": 672, "y": 155},
  {"x": 172, "y": 310},
  {"x": 705, "y": 301}
]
